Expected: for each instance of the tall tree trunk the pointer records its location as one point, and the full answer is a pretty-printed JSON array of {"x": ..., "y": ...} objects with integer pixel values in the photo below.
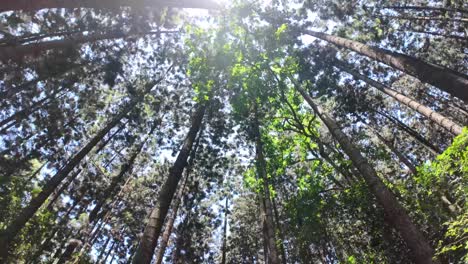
[
  {"x": 402, "y": 158},
  {"x": 422, "y": 251},
  {"x": 109, "y": 252},
  {"x": 273, "y": 257},
  {"x": 403, "y": 99},
  {"x": 103, "y": 251},
  {"x": 280, "y": 232},
  {"x": 224, "y": 247},
  {"x": 56, "y": 194},
  {"x": 430, "y": 8},
  {"x": 10, "y": 232},
  {"x": 31, "y": 5},
  {"x": 152, "y": 231},
  {"x": 125, "y": 169},
  {"x": 169, "y": 226},
  {"x": 448, "y": 80},
  {"x": 425, "y": 18},
  {"x": 175, "y": 207},
  {"x": 424, "y": 142},
  {"x": 35, "y": 49}
]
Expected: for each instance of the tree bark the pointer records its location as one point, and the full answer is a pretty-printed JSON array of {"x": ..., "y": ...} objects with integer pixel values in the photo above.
[
  {"x": 224, "y": 247},
  {"x": 422, "y": 251},
  {"x": 10, "y": 232},
  {"x": 402, "y": 158},
  {"x": 125, "y": 169},
  {"x": 104, "y": 247},
  {"x": 424, "y": 142},
  {"x": 425, "y": 18},
  {"x": 32, "y": 5},
  {"x": 152, "y": 231},
  {"x": 447, "y": 80},
  {"x": 430, "y": 8},
  {"x": 273, "y": 257},
  {"x": 432, "y": 115},
  {"x": 35, "y": 49}
]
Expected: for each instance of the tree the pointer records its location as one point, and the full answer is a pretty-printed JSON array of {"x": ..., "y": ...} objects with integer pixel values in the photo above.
[
  {"x": 148, "y": 242},
  {"x": 449, "y": 81}
]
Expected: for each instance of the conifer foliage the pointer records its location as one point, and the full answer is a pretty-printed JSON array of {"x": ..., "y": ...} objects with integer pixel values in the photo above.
[{"x": 315, "y": 131}]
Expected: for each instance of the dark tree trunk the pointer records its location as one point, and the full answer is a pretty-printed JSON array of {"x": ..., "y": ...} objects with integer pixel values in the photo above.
[
  {"x": 35, "y": 49},
  {"x": 403, "y": 99},
  {"x": 280, "y": 232},
  {"x": 152, "y": 231},
  {"x": 425, "y": 18},
  {"x": 7, "y": 235},
  {"x": 56, "y": 194},
  {"x": 422, "y": 251},
  {"x": 273, "y": 257},
  {"x": 103, "y": 251},
  {"x": 224, "y": 247},
  {"x": 402, "y": 158},
  {"x": 429, "y": 8},
  {"x": 31, "y": 5},
  {"x": 424, "y": 142},
  {"x": 125, "y": 169},
  {"x": 448, "y": 80}
]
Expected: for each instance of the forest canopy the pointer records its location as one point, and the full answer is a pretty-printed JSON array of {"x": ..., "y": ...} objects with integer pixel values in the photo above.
[{"x": 252, "y": 131}]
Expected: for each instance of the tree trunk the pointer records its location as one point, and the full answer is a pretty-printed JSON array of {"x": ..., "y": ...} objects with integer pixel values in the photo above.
[
  {"x": 151, "y": 233},
  {"x": 35, "y": 49},
  {"x": 402, "y": 158},
  {"x": 109, "y": 252},
  {"x": 125, "y": 169},
  {"x": 56, "y": 194},
  {"x": 403, "y": 99},
  {"x": 103, "y": 251},
  {"x": 424, "y": 142},
  {"x": 224, "y": 247},
  {"x": 280, "y": 232},
  {"x": 273, "y": 257},
  {"x": 32, "y": 5},
  {"x": 10, "y": 232},
  {"x": 422, "y": 251},
  {"x": 430, "y": 8},
  {"x": 425, "y": 18},
  {"x": 448, "y": 80}
]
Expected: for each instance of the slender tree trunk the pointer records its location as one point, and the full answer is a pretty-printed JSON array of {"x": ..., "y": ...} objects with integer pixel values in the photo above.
[
  {"x": 402, "y": 158},
  {"x": 104, "y": 143},
  {"x": 104, "y": 247},
  {"x": 425, "y": 18},
  {"x": 448, "y": 80},
  {"x": 280, "y": 232},
  {"x": 10, "y": 232},
  {"x": 125, "y": 169},
  {"x": 18, "y": 40},
  {"x": 109, "y": 252},
  {"x": 429, "y": 8},
  {"x": 56, "y": 194},
  {"x": 24, "y": 113},
  {"x": 224, "y": 247},
  {"x": 151, "y": 233},
  {"x": 403, "y": 99},
  {"x": 175, "y": 207},
  {"x": 460, "y": 38},
  {"x": 31, "y": 5},
  {"x": 422, "y": 251},
  {"x": 424, "y": 142},
  {"x": 170, "y": 223},
  {"x": 35, "y": 49},
  {"x": 273, "y": 257}
]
